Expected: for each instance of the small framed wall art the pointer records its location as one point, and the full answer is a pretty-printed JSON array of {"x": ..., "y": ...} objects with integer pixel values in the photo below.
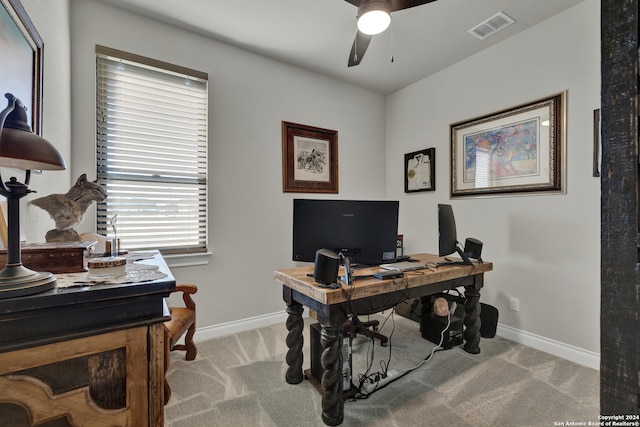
[
  {"x": 517, "y": 150},
  {"x": 309, "y": 159},
  {"x": 420, "y": 171},
  {"x": 597, "y": 149}
]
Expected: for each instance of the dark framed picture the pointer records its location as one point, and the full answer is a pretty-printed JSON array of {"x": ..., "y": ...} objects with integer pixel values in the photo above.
[
  {"x": 420, "y": 171},
  {"x": 517, "y": 150},
  {"x": 309, "y": 159},
  {"x": 21, "y": 70},
  {"x": 597, "y": 148}
]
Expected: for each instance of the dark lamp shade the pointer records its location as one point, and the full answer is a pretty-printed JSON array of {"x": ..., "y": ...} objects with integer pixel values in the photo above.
[{"x": 24, "y": 150}]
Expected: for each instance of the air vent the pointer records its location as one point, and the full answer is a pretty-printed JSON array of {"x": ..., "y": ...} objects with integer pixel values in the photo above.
[{"x": 491, "y": 26}]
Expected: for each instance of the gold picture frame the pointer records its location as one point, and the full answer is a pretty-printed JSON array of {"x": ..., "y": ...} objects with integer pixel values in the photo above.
[{"x": 517, "y": 150}]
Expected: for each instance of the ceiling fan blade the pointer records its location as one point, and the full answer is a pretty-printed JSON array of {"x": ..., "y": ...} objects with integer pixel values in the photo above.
[
  {"x": 406, "y": 4},
  {"x": 396, "y": 4},
  {"x": 356, "y": 3},
  {"x": 361, "y": 42},
  {"x": 359, "y": 47}
]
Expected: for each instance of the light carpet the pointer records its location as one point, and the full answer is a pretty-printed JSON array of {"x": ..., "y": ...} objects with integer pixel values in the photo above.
[{"x": 238, "y": 380}]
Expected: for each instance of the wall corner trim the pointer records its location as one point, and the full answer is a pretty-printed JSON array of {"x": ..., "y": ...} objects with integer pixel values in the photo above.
[{"x": 569, "y": 352}]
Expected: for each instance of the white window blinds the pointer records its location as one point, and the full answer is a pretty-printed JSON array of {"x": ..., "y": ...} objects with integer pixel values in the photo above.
[{"x": 151, "y": 132}]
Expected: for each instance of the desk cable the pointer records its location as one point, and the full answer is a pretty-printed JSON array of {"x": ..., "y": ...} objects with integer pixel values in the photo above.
[
  {"x": 436, "y": 348},
  {"x": 396, "y": 297},
  {"x": 384, "y": 365},
  {"x": 391, "y": 303},
  {"x": 371, "y": 347},
  {"x": 365, "y": 395},
  {"x": 376, "y": 377}
]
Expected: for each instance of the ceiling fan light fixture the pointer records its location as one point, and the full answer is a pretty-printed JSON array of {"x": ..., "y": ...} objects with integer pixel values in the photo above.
[{"x": 374, "y": 16}]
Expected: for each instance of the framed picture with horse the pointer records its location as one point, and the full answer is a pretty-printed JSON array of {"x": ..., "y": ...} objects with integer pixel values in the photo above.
[{"x": 309, "y": 159}]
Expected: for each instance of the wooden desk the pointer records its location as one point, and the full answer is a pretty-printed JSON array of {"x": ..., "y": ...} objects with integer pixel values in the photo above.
[
  {"x": 369, "y": 295},
  {"x": 85, "y": 355}
]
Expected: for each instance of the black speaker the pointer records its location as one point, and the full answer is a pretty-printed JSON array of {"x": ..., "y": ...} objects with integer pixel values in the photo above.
[
  {"x": 488, "y": 320},
  {"x": 325, "y": 269},
  {"x": 473, "y": 248}
]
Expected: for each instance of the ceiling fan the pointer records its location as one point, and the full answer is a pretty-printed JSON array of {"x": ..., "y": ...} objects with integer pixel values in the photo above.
[{"x": 374, "y": 17}]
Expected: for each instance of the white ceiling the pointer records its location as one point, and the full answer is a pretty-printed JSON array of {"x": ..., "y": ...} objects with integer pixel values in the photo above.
[{"x": 317, "y": 34}]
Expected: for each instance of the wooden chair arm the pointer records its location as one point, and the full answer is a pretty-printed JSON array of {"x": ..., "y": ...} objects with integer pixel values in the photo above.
[{"x": 187, "y": 290}]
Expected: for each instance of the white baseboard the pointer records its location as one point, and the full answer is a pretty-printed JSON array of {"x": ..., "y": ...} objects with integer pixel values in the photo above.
[
  {"x": 228, "y": 328},
  {"x": 557, "y": 348}
]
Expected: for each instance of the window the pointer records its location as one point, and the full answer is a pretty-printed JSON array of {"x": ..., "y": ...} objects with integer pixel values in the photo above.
[{"x": 151, "y": 133}]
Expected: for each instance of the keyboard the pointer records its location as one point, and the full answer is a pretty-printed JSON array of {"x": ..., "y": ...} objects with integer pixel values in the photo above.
[{"x": 404, "y": 266}]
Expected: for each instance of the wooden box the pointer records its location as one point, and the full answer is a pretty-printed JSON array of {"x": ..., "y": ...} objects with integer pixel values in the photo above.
[{"x": 58, "y": 257}]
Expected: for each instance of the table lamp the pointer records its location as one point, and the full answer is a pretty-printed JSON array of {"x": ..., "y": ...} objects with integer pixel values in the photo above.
[{"x": 21, "y": 149}]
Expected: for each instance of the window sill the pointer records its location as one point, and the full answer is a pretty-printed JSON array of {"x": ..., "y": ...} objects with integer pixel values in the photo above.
[{"x": 187, "y": 260}]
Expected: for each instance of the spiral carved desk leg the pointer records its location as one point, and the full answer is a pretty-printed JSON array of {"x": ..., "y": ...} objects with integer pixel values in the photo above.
[
  {"x": 295, "y": 326},
  {"x": 472, "y": 320},
  {"x": 331, "y": 360}
]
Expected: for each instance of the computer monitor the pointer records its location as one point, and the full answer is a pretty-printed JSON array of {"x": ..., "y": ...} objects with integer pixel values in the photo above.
[
  {"x": 447, "y": 235},
  {"x": 365, "y": 231}
]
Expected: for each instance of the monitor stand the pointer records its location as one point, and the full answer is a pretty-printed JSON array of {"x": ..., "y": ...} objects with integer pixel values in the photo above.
[{"x": 465, "y": 258}]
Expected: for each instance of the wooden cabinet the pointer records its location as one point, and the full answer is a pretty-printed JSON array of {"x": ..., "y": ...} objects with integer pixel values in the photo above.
[
  {"x": 88, "y": 356},
  {"x": 101, "y": 380}
]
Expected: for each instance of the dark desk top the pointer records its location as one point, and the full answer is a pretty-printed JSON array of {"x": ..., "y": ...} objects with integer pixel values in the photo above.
[{"x": 82, "y": 310}]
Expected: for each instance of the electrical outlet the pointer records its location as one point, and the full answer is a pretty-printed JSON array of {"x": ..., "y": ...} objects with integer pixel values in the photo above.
[{"x": 514, "y": 304}]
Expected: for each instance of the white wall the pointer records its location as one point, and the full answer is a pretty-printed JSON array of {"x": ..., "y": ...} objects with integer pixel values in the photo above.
[
  {"x": 250, "y": 216},
  {"x": 545, "y": 249}
]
